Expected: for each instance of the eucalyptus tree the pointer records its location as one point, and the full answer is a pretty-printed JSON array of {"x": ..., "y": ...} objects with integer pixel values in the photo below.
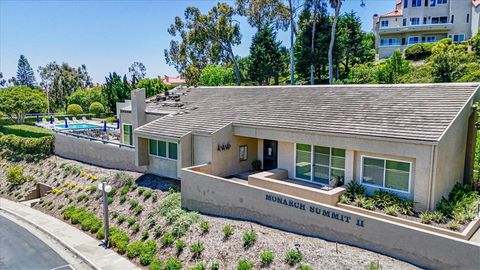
[
  {"x": 137, "y": 71},
  {"x": 204, "y": 39}
]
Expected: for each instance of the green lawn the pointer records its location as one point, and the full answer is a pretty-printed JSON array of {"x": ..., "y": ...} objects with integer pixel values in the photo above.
[{"x": 26, "y": 131}]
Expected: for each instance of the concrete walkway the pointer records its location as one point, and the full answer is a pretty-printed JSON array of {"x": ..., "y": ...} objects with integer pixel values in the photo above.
[{"x": 86, "y": 247}]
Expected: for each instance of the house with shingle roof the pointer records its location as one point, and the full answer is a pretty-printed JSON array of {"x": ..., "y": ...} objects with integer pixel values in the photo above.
[{"x": 413, "y": 140}]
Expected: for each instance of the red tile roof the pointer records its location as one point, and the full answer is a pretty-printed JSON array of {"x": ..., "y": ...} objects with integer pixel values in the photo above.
[
  {"x": 476, "y": 3},
  {"x": 394, "y": 13},
  {"x": 173, "y": 80}
]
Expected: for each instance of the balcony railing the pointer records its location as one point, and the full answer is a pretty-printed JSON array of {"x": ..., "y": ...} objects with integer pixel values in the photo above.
[{"x": 416, "y": 28}]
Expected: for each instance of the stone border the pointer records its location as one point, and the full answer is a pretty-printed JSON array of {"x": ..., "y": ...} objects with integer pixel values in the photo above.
[
  {"x": 61, "y": 242},
  {"x": 466, "y": 234}
]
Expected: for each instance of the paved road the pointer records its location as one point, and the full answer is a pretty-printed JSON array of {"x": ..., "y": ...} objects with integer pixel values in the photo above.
[{"x": 19, "y": 250}]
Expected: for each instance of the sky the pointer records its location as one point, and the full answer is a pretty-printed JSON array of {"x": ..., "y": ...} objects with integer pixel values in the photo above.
[{"x": 110, "y": 35}]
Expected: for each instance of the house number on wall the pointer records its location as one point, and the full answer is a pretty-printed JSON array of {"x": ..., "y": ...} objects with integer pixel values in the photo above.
[{"x": 224, "y": 146}]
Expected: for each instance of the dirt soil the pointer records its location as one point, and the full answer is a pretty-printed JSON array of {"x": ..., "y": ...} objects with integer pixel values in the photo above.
[{"x": 318, "y": 253}]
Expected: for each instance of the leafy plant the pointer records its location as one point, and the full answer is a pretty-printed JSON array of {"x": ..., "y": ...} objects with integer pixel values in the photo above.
[
  {"x": 82, "y": 197},
  {"x": 249, "y": 238},
  {"x": 257, "y": 165},
  {"x": 156, "y": 264},
  {"x": 121, "y": 219},
  {"x": 167, "y": 240},
  {"x": 196, "y": 249},
  {"x": 343, "y": 199},
  {"x": 426, "y": 217},
  {"x": 266, "y": 258},
  {"x": 374, "y": 266},
  {"x": 364, "y": 202},
  {"x": 15, "y": 175},
  {"x": 179, "y": 245},
  {"x": 145, "y": 235},
  {"x": 173, "y": 263},
  {"x": 147, "y": 252},
  {"x": 204, "y": 226},
  {"x": 391, "y": 210},
  {"x": 131, "y": 221},
  {"x": 354, "y": 189},
  {"x": 227, "y": 231},
  {"x": 122, "y": 199},
  {"x": 214, "y": 265},
  {"x": 293, "y": 257},
  {"x": 134, "y": 249},
  {"x": 244, "y": 264},
  {"x": 305, "y": 267},
  {"x": 199, "y": 266},
  {"x": 135, "y": 228},
  {"x": 138, "y": 209},
  {"x": 158, "y": 231},
  {"x": 147, "y": 194},
  {"x": 133, "y": 203}
]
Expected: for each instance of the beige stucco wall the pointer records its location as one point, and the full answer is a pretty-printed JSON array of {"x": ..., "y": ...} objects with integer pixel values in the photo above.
[
  {"x": 227, "y": 162},
  {"x": 163, "y": 167},
  {"x": 95, "y": 152},
  {"x": 451, "y": 156},
  {"x": 202, "y": 149},
  {"x": 475, "y": 20},
  {"x": 222, "y": 197}
]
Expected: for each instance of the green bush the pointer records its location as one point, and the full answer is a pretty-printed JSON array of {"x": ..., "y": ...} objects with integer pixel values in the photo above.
[
  {"x": 462, "y": 200},
  {"x": 475, "y": 43},
  {"x": 147, "y": 194},
  {"x": 214, "y": 265},
  {"x": 374, "y": 266},
  {"x": 173, "y": 263},
  {"x": 74, "y": 109},
  {"x": 122, "y": 199},
  {"x": 244, "y": 264},
  {"x": 119, "y": 239},
  {"x": 167, "y": 240},
  {"x": 305, "y": 267},
  {"x": 67, "y": 214},
  {"x": 170, "y": 202},
  {"x": 145, "y": 235},
  {"x": 257, "y": 165},
  {"x": 134, "y": 249},
  {"x": 15, "y": 175},
  {"x": 354, "y": 189},
  {"x": 82, "y": 197},
  {"x": 78, "y": 215},
  {"x": 158, "y": 231},
  {"x": 266, "y": 258},
  {"x": 96, "y": 108},
  {"x": 293, "y": 257},
  {"x": 453, "y": 225},
  {"x": 26, "y": 131},
  {"x": 131, "y": 221},
  {"x": 198, "y": 266},
  {"x": 135, "y": 228},
  {"x": 27, "y": 146},
  {"x": 156, "y": 264},
  {"x": 426, "y": 217},
  {"x": 419, "y": 51},
  {"x": 183, "y": 223},
  {"x": 121, "y": 219},
  {"x": 133, "y": 203},
  {"x": 364, "y": 202},
  {"x": 196, "y": 249},
  {"x": 174, "y": 215},
  {"x": 147, "y": 252},
  {"x": 391, "y": 210},
  {"x": 227, "y": 231},
  {"x": 138, "y": 209},
  {"x": 249, "y": 238},
  {"x": 383, "y": 200}
]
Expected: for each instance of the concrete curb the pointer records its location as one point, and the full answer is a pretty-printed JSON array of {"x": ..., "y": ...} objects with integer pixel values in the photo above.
[{"x": 60, "y": 241}]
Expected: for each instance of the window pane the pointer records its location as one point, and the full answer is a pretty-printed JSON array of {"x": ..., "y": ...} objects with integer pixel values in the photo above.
[
  {"x": 321, "y": 174},
  {"x": 162, "y": 148},
  {"x": 322, "y": 156},
  {"x": 397, "y": 179},
  {"x": 373, "y": 171},
  {"x": 153, "y": 147},
  {"x": 396, "y": 165},
  {"x": 127, "y": 136},
  {"x": 303, "y": 161},
  {"x": 339, "y": 152},
  {"x": 172, "y": 151}
]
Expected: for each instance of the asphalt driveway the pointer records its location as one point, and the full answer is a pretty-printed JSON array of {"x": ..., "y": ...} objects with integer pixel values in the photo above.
[{"x": 19, "y": 250}]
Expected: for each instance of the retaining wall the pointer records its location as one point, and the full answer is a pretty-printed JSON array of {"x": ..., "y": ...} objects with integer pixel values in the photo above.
[
  {"x": 95, "y": 152},
  {"x": 218, "y": 196}
]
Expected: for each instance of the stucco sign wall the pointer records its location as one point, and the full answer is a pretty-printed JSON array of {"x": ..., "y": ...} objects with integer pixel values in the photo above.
[{"x": 222, "y": 197}]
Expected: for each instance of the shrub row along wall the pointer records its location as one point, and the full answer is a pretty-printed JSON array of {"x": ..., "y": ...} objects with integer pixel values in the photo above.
[
  {"x": 217, "y": 196},
  {"x": 95, "y": 152}
]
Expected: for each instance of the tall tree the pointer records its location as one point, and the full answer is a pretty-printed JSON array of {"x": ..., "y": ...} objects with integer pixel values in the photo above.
[
  {"x": 116, "y": 90},
  {"x": 265, "y": 56},
  {"x": 17, "y": 101},
  {"x": 204, "y": 39},
  {"x": 292, "y": 8},
  {"x": 137, "y": 71},
  {"x": 259, "y": 12},
  {"x": 61, "y": 80},
  {"x": 25, "y": 75},
  {"x": 395, "y": 66},
  {"x": 336, "y": 5}
]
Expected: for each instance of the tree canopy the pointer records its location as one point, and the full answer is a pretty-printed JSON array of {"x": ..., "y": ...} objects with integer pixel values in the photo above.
[
  {"x": 116, "y": 90},
  {"x": 25, "y": 75},
  {"x": 85, "y": 97},
  {"x": 17, "y": 101},
  {"x": 137, "y": 72},
  {"x": 214, "y": 75},
  {"x": 152, "y": 86}
]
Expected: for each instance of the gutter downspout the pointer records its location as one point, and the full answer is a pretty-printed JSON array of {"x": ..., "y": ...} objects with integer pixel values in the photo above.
[{"x": 433, "y": 162}]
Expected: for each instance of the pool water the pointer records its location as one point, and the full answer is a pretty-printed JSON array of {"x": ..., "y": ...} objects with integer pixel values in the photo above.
[{"x": 79, "y": 126}]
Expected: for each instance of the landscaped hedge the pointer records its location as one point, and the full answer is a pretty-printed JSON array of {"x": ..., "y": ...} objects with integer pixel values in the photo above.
[
  {"x": 27, "y": 146},
  {"x": 418, "y": 51},
  {"x": 26, "y": 131}
]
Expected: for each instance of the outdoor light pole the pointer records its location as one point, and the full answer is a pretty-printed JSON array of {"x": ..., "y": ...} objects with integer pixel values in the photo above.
[{"x": 105, "y": 189}]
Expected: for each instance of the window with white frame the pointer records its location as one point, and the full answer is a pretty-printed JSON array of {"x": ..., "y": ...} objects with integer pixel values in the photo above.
[
  {"x": 388, "y": 42},
  {"x": 416, "y": 3},
  {"x": 163, "y": 149},
  {"x": 415, "y": 21},
  {"x": 384, "y": 23},
  {"x": 441, "y": 19},
  {"x": 127, "y": 134},
  {"x": 319, "y": 164},
  {"x": 386, "y": 173},
  {"x": 458, "y": 38}
]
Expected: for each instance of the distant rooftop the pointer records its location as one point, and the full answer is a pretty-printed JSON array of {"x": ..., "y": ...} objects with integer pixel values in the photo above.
[
  {"x": 414, "y": 112},
  {"x": 172, "y": 80}
]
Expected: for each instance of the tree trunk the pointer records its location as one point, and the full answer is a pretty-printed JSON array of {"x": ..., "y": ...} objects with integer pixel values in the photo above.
[
  {"x": 332, "y": 41},
  {"x": 292, "y": 67},
  {"x": 235, "y": 64},
  {"x": 312, "y": 78}
]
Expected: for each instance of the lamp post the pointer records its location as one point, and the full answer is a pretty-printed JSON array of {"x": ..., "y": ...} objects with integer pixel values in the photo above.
[{"x": 104, "y": 188}]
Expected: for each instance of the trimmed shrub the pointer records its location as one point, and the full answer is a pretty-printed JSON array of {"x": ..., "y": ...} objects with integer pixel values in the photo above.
[
  {"x": 249, "y": 238},
  {"x": 67, "y": 214},
  {"x": 74, "y": 109},
  {"x": 156, "y": 264},
  {"x": 419, "y": 51},
  {"x": 26, "y": 131},
  {"x": 244, "y": 264},
  {"x": 96, "y": 108},
  {"x": 147, "y": 194},
  {"x": 27, "y": 146},
  {"x": 293, "y": 257},
  {"x": 266, "y": 258},
  {"x": 119, "y": 239},
  {"x": 134, "y": 249},
  {"x": 147, "y": 252}
]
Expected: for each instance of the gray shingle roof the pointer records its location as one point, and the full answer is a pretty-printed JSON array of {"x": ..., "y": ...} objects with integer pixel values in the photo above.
[{"x": 415, "y": 112}]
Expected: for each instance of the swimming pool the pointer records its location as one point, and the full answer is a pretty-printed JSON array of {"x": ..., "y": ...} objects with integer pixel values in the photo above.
[{"x": 79, "y": 126}]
